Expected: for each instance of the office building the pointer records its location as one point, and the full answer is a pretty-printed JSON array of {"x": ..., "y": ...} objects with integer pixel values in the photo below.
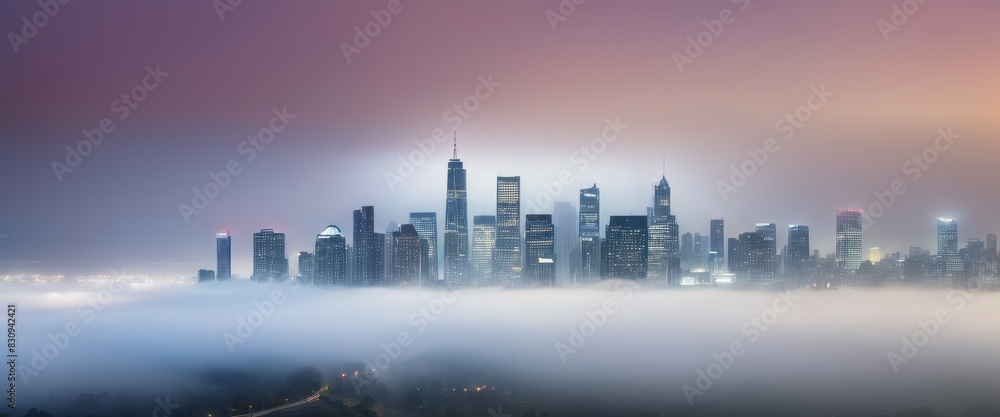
[
  {"x": 330, "y": 258},
  {"x": 269, "y": 261},
  {"x": 539, "y": 251},
  {"x": 507, "y": 252},
  {"x": 483, "y": 242},
  {"x": 223, "y": 256},
  {"x": 590, "y": 235},
  {"x": 849, "y": 239},
  {"x": 624, "y": 249},
  {"x": 426, "y": 225}
]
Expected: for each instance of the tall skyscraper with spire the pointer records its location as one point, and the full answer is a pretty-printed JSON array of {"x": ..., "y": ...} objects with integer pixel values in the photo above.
[
  {"x": 456, "y": 222},
  {"x": 664, "y": 239}
]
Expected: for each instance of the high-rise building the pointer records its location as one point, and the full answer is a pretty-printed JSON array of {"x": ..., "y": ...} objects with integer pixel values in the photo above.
[
  {"x": 223, "y": 256},
  {"x": 307, "y": 267},
  {"x": 206, "y": 275},
  {"x": 687, "y": 248},
  {"x": 590, "y": 235},
  {"x": 874, "y": 255},
  {"x": 769, "y": 231},
  {"x": 949, "y": 261},
  {"x": 731, "y": 253},
  {"x": 664, "y": 239},
  {"x": 484, "y": 231},
  {"x": 753, "y": 258},
  {"x": 539, "y": 251},
  {"x": 849, "y": 239},
  {"x": 330, "y": 258},
  {"x": 564, "y": 219},
  {"x": 456, "y": 223},
  {"x": 699, "y": 251},
  {"x": 624, "y": 249},
  {"x": 406, "y": 256},
  {"x": 426, "y": 225},
  {"x": 717, "y": 244},
  {"x": 507, "y": 252},
  {"x": 369, "y": 249},
  {"x": 797, "y": 255},
  {"x": 269, "y": 261}
]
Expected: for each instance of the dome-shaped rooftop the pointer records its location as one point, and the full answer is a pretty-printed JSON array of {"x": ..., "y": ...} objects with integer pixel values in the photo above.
[{"x": 331, "y": 230}]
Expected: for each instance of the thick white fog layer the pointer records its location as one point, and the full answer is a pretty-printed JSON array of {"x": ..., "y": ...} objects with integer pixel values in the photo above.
[{"x": 614, "y": 342}]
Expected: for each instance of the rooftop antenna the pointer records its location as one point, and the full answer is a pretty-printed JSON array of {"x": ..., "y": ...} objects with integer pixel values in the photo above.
[
  {"x": 664, "y": 172},
  {"x": 454, "y": 150}
]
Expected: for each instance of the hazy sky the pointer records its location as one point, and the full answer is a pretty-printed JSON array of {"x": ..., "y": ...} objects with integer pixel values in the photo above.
[
  {"x": 812, "y": 350},
  {"x": 557, "y": 86}
]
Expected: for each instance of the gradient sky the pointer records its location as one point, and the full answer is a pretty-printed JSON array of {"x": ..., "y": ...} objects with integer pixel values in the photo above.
[{"x": 354, "y": 120}]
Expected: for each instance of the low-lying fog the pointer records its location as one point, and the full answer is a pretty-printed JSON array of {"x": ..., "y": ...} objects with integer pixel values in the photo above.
[{"x": 613, "y": 343}]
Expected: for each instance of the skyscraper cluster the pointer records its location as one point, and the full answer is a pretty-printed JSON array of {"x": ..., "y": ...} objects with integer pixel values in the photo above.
[{"x": 566, "y": 247}]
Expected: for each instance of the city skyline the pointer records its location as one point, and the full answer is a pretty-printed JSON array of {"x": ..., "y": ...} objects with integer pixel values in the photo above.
[{"x": 540, "y": 93}]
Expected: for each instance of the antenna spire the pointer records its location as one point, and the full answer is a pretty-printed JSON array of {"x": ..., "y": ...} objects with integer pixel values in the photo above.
[
  {"x": 454, "y": 148},
  {"x": 664, "y": 172}
]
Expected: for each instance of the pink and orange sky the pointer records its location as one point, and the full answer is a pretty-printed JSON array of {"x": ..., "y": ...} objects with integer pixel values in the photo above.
[{"x": 607, "y": 59}]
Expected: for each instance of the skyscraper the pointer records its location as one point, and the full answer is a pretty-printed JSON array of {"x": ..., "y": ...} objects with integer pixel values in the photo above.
[
  {"x": 507, "y": 253},
  {"x": 456, "y": 223},
  {"x": 483, "y": 242},
  {"x": 269, "y": 262},
  {"x": 664, "y": 238},
  {"x": 590, "y": 234},
  {"x": 426, "y": 225},
  {"x": 949, "y": 261},
  {"x": 717, "y": 244},
  {"x": 564, "y": 219},
  {"x": 874, "y": 254},
  {"x": 223, "y": 256},
  {"x": 797, "y": 257},
  {"x": 753, "y": 258},
  {"x": 206, "y": 275},
  {"x": 769, "y": 231},
  {"x": 539, "y": 251},
  {"x": 849, "y": 239},
  {"x": 369, "y": 249},
  {"x": 405, "y": 259},
  {"x": 330, "y": 258},
  {"x": 307, "y": 267},
  {"x": 624, "y": 249}
]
